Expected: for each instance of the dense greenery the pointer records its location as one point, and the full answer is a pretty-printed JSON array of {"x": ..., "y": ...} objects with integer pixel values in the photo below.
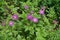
[{"x": 24, "y": 29}]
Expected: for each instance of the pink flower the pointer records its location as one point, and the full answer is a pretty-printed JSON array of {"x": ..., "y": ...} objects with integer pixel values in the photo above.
[
  {"x": 11, "y": 23},
  {"x": 26, "y": 7},
  {"x": 15, "y": 17},
  {"x": 41, "y": 11},
  {"x": 35, "y": 20},
  {"x": 29, "y": 17}
]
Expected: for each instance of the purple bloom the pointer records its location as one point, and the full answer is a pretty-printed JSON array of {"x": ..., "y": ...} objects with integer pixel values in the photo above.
[
  {"x": 35, "y": 20},
  {"x": 29, "y": 17},
  {"x": 11, "y": 23},
  {"x": 15, "y": 17},
  {"x": 41, "y": 11},
  {"x": 26, "y": 7}
]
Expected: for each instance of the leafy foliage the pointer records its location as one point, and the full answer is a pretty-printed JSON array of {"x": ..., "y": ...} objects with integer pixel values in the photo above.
[{"x": 24, "y": 29}]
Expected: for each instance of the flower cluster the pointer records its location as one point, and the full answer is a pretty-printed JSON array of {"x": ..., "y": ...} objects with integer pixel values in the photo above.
[
  {"x": 35, "y": 20},
  {"x": 30, "y": 17},
  {"x": 14, "y": 17}
]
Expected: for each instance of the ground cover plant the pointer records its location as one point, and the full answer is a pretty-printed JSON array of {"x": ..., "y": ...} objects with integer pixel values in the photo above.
[{"x": 29, "y": 19}]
